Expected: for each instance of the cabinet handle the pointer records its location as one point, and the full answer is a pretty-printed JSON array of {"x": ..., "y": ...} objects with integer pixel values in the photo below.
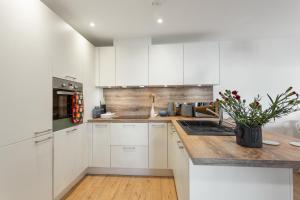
[
  {"x": 71, "y": 77},
  {"x": 157, "y": 125},
  {"x": 128, "y": 149},
  {"x": 42, "y": 132},
  {"x": 179, "y": 145},
  {"x": 44, "y": 140},
  {"x": 70, "y": 131},
  {"x": 128, "y": 125},
  {"x": 101, "y": 126}
]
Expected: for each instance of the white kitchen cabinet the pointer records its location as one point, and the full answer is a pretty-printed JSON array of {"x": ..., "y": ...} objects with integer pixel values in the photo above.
[
  {"x": 166, "y": 64},
  {"x": 129, "y": 134},
  {"x": 107, "y": 66},
  {"x": 67, "y": 57},
  {"x": 132, "y": 65},
  {"x": 129, "y": 157},
  {"x": 179, "y": 162},
  {"x": 158, "y": 145},
  {"x": 201, "y": 63},
  {"x": 101, "y": 145},
  {"x": 26, "y": 169},
  {"x": 171, "y": 145},
  {"x": 26, "y": 79},
  {"x": 70, "y": 158}
]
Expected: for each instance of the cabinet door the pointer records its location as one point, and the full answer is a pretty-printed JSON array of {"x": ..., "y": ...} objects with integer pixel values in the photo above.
[
  {"x": 101, "y": 145},
  {"x": 166, "y": 64},
  {"x": 107, "y": 66},
  {"x": 26, "y": 169},
  {"x": 129, "y": 134},
  {"x": 26, "y": 79},
  {"x": 132, "y": 65},
  {"x": 158, "y": 146},
  {"x": 129, "y": 157},
  {"x": 67, "y": 52},
  {"x": 82, "y": 149},
  {"x": 66, "y": 158},
  {"x": 171, "y": 146},
  {"x": 201, "y": 63}
]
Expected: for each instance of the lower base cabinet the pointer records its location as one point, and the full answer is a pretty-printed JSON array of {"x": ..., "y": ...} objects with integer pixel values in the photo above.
[
  {"x": 129, "y": 157},
  {"x": 26, "y": 170},
  {"x": 179, "y": 162},
  {"x": 70, "y": 156}
]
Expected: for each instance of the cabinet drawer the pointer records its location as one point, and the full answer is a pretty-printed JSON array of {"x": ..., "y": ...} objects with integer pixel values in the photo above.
[
  {"x": 129, "y": 134},
  {"x": 129, "y": 156}
]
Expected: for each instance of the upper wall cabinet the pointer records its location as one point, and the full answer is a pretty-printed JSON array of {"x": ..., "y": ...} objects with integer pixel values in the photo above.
[
  {"x": 201, "y": 63},
  {"x": 106, "y": 66},
  {"x": 67, "y": 58},
  {"x": 132, "y": 65},
  {"x": 166, "y": 64}
]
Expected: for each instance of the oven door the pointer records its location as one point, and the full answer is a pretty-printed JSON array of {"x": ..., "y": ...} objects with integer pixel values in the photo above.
[{"x": 62, "y": 109}]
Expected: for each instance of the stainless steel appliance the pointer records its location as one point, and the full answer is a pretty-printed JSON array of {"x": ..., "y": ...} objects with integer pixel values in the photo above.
[{"x": 63, "y": 91}]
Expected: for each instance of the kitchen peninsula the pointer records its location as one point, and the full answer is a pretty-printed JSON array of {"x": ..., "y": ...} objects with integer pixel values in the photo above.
[{"x": 216, "y": 163}]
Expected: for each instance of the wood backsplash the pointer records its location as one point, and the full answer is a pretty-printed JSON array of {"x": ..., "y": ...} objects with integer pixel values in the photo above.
[{"x": 137, "y": 101}]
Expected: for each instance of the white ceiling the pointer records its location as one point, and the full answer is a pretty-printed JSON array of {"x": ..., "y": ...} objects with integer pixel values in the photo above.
[{"x": 183, "y": 19}]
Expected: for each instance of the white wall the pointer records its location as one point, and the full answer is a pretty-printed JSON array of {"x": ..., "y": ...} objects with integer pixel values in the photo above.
[{"x": 259, "y": 67}]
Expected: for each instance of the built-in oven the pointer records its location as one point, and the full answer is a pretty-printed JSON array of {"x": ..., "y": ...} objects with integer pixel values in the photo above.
[{"x": 67, "y": 103}]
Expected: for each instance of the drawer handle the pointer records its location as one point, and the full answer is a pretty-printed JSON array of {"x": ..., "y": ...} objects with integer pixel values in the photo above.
[
  {"x": 180, "y": 146},
  {"x": 129, "y": 149},
  {"x": 157, "y": 126},
  {"x": 44, "y": 140},
  {"x": 42, "y": 132},
  {"x": 128, "y": 125},
  {"x": 71, "y": 131},
  {"x": 101, "y": 126}
]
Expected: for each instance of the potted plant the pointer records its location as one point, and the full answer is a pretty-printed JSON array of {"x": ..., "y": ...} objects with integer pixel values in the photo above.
[{"x": 250, "y": 118}]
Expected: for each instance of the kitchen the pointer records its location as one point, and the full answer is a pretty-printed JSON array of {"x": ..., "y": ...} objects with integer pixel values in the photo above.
[{"x": 102, "y": 103}]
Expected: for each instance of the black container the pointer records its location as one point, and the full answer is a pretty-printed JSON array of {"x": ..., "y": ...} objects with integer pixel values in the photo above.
[{"x": 249, "y": 137}]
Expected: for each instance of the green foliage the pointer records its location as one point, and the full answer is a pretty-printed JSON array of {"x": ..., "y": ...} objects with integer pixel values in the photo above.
[{"x": 252, "y": 115}]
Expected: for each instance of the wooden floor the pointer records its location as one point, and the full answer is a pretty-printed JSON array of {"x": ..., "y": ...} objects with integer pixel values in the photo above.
[
  {"x": 296, "y": 186},
  {"x": 133, "y": 188},
  {"x": 124, "y": 188}
]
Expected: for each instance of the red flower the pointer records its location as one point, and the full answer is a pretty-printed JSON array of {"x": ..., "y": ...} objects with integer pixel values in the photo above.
[
  {"x": 257, "y": 104},
  {"x": 237, "y": 97},
  {"x": 234, "y": 92}
]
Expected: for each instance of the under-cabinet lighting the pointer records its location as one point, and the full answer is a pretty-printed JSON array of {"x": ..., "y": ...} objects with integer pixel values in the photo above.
[{"x": 160, "y": 20}]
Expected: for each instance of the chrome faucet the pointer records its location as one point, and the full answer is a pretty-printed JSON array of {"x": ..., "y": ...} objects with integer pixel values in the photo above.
[{"x": 219, "y": 115}]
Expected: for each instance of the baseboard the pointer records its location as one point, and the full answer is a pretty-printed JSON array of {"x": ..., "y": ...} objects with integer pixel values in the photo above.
[
  {"x": 71, "y": 185},
  {"x": 130, "y": 171}
]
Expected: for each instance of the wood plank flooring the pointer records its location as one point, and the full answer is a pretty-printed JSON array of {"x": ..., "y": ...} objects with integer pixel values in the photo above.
[
  {"x": 124, "y": 188},
  {"x": 296, "y": 186}
]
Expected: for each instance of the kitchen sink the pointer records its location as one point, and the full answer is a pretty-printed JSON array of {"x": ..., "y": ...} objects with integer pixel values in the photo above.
[{"x": 205, "y": 128}]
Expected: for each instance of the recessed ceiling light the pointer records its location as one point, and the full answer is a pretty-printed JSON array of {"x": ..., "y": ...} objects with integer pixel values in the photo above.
[
  {"x": 160, "y": 20},
  {"x": 92, "y": 24}
]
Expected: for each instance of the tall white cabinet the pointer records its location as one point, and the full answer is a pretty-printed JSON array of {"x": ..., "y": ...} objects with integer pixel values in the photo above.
[
  {"x": 132, "y": 65},
  {"x": 106, "y": 61},
  {"x": 25, "y": 70},
  {"x": 166, "y": 64},
  {"x": 201, "y": 63},
  {"x": 26, "y": 169}
]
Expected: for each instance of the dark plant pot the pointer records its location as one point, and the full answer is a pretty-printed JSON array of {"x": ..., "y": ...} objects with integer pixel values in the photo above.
[{"x": 248, "y": 137}]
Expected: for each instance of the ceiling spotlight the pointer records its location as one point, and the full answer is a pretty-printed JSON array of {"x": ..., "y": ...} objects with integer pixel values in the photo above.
[
  {"x": 92, "y": 24},
  {"x": 160, "y": 20}
]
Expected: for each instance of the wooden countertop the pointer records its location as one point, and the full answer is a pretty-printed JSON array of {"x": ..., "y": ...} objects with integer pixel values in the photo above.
[{"x": 223, "y": 150}]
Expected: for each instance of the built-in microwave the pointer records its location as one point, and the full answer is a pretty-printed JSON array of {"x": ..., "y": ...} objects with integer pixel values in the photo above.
[{"x": 66, "y": 95}]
